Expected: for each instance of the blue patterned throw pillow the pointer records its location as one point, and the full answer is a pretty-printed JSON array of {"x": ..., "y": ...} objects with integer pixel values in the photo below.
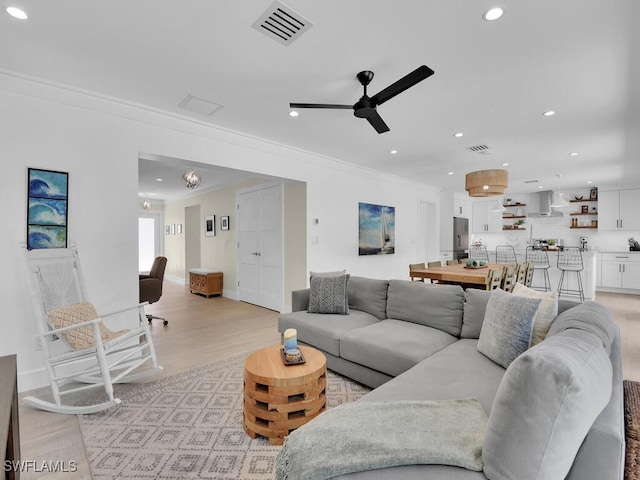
[
  {"x": 328, "y": 293},
  {"x": 507, "y": 327}
]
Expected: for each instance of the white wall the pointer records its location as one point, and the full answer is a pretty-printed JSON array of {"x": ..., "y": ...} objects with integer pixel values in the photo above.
[{"x": 98, "y": 142}]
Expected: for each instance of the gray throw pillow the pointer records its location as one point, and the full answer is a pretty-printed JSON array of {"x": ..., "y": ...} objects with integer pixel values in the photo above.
[
  {"x": 328, "y": 293},
  {"x": 507, "y": 327}
]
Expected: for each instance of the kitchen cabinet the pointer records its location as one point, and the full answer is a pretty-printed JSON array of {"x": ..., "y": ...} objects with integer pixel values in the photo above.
[
  {"x": 484, "y": 220},
  {"x": 618, "y": 210},
  {"x": 619, "y": 270}
]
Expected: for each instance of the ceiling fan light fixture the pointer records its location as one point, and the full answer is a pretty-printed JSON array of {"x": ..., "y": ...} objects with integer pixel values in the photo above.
[
  {"x": 486, "y": 183},
  {"x": 191, "y": 179}
]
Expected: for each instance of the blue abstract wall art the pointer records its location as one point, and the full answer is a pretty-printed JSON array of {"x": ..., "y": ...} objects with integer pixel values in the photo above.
[
  {"x": 47, "y": 209},
  {"x": 377, "y": 229}
]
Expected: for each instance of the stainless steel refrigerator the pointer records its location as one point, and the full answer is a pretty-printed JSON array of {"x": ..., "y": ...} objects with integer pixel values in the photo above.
[{"x": 460, "y": 237}]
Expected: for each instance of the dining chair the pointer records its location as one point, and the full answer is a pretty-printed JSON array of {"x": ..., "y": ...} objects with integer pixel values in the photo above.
[
  {"x": 495, "y": 278},
  {"x": 509, "y": 278},
  {"x": 416, "y": 266},
  {"x": 521, "y": 273},
  {"x": 528, "y": 279},
  {"x": 434, "y": 264},
  {"x": 452, "y": 262}
]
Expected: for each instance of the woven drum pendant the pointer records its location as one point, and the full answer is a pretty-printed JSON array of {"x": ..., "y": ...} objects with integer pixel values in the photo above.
[{"x": 486, "y": 183}]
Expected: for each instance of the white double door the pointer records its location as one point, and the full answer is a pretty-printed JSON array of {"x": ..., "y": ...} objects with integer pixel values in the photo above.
[{"x": 259, "y": 233}]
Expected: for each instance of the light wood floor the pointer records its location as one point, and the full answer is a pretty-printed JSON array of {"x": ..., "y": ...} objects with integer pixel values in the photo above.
[{"x": 203, "y": 330}]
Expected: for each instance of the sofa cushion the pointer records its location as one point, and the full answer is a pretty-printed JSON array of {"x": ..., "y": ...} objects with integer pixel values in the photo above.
[
  {"x": 323, "y": 331},
  {"x": 548, "y": 400},
  {"x": 368, "y": 295},
  {"x": 392, "y": 346},
  {"x": 475, "y": 304},
  {"x": 547, "y": 311},
  {"x": 456, "y": 371},
  {"x": 508, "y": 323},
  {"x": 437, "y": 306},
  {"x": 328, "y": 293},
  {"x": 590, "y": 317}
]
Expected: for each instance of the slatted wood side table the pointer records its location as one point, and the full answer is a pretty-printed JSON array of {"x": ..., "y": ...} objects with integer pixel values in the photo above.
[{"x": 279, "y": 398}]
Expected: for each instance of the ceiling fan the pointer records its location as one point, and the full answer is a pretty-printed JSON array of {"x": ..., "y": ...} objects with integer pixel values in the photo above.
[{"x": 366, "y": 106}]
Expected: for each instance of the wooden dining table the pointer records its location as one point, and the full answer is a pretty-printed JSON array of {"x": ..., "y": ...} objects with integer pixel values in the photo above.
[{"x": 458, "y": 274}]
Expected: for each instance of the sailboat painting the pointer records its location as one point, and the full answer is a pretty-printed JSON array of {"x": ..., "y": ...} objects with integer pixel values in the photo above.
[{"x": 377, "y": 229}]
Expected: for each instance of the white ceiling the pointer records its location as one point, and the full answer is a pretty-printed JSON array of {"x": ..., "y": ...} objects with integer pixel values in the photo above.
[{"x": 492, "y": 81}]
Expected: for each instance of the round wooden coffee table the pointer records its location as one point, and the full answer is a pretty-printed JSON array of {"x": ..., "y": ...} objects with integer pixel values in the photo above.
[{"x": 279, "y": 398}]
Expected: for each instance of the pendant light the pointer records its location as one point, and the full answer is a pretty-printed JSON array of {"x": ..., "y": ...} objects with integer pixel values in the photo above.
[
  {"x": 499, "y": 207},
  {"x": 146, "y": 204},
  {"x": 191, "y": 179},
  {"x": 486, "y": 183}
]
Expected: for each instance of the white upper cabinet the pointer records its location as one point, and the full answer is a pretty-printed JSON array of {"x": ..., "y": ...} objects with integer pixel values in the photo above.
[
  {"x": 484, "y": 220},
  {"x": 460, "y": 207},
  {"x": 619, "y": 210}
]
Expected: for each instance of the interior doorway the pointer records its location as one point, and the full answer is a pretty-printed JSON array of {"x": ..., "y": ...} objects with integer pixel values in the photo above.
[
  {"x": 150, "y": 239},
  {"x": 260, "y": 253}
]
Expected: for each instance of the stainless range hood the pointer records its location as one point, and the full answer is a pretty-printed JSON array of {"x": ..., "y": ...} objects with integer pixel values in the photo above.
[{"x": 545, "y": 210}]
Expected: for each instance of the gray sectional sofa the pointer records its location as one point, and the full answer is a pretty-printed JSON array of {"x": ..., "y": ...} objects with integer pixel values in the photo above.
[{"x": 415, "y": 341}]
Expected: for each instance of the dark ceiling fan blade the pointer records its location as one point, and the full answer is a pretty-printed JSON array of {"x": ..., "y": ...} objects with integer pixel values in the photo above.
[
  {"x": 401, "y": 85},
  {"x": 376, "y": 122},
  {"x": 320, "y": 105}
]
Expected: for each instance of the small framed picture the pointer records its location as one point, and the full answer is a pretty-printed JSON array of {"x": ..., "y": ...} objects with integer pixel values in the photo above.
[
  {"x": 179, "y": 229},
  {"x": 210, "y": 226},
  {"x": 593, "y": 195},
  {"x": 224, "y": 223},
  {"x": 173, "y": 229},
  {"x": 585, "y": 209}
]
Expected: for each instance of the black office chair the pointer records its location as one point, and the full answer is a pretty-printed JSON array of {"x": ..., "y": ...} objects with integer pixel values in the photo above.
[{"x": 151, "y": 286}]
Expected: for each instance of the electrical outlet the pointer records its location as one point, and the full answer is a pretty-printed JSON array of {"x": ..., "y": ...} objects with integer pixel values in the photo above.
[{"x": 39, "y": 343}]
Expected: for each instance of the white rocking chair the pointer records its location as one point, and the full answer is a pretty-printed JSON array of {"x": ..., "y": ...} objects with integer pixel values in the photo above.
[{"x": 79, "y": 348}]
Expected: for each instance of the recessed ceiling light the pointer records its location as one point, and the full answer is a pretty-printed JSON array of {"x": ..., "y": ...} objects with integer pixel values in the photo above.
[
  {"x": 549, "y": 113},
  {"x": 293, "y": 113},
  {"x": 158, "y": 179},
  {"x": 393, "y": 152},
  {"x": 15, "y": 12},
  {"x": 458, "y": 135},
  {"x": 540, "y": 187},
  {"x": 505, "y": 164},
  {"x": 493, "y": 14},
  {"x": 573, "y": 154},
  {"x": 450, "y": 173},
  {"x": 589, "y": 182}
]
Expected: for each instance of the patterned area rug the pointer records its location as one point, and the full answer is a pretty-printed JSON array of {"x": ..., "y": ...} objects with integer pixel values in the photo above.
[
  {"x": 187, "y": 426},
  {"x": 632, "y": 429}
]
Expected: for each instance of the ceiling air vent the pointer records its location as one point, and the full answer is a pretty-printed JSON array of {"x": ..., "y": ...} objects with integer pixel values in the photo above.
[
  {"x": 282, "y": 24},
  {"x": 483, "y": 149},
  {"x": 531, "y": 181},
  {"x": 199, "y": 105}
]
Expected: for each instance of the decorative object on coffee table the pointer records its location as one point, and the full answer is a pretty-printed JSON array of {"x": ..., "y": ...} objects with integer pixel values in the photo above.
[{"x": 279, "y": 398}]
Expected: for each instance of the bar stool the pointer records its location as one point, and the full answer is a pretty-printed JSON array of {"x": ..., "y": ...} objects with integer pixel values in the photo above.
[
  {"x": 478, "y": 252},
  {"x": 505, "y": 254},
  {"x": 570, "y": 260},
  {"x": 540, "y": 259}
]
